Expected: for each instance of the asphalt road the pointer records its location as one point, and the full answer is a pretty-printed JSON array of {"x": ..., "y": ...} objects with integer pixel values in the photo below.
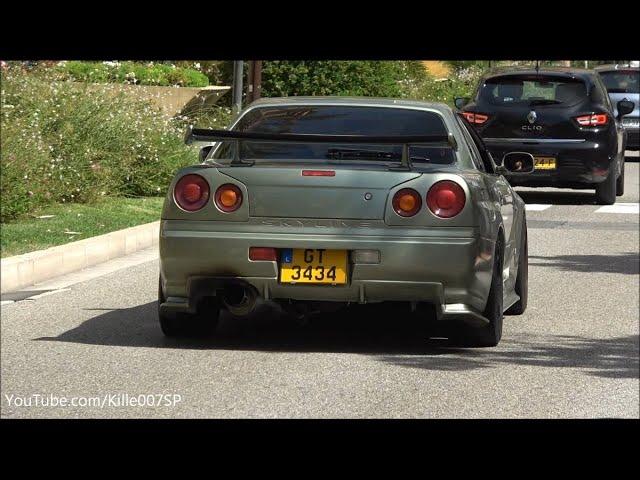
[{"x": 573, "y": 354}]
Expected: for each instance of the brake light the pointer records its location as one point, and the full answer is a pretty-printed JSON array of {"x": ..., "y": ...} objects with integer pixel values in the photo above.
[
  {"x": 228, "y": 198},
  {"x": 475, "y": 118},
  {"x": 406, "y": 202},
  {"x": 446, "y": 199},
  {"x": 191, "y": 192},
  {"x": 595, "y": 120},
  {"x": 318, "y": 173},
  {"x": 262, "y": 254}
]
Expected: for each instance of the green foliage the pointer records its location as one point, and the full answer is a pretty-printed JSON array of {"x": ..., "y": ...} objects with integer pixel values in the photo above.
[
  {"x": 132, "y": 72},
  {"x": 350, "y": 78},
  {"x": 64, "y": 142},
  {"x": 219, "y": 72},
  {"x": 461, "y": 83},
  {"x": 399, "y": 79},
  {"x": 465, "y": 64}
]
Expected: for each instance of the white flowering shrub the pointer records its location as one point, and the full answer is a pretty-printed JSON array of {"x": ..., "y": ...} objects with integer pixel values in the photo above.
[
  {"x": 64, "y": 142},
  {"x": 460, "y": 83}
]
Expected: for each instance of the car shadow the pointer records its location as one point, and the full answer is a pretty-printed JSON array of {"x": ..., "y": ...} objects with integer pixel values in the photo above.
[
  {"x": 390, "y": 335},
  {"x": 601, "y": 357},
  {"x": 625, "y": 263},
  {"x": 561, "y": 197}
]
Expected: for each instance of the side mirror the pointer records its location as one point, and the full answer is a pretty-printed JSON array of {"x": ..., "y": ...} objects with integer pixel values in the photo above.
[
  {"x": 460, "y": 102},
  {"x": 204, "y": 152},
  {"x": 625, "y": 107},
  {"x": 518, "y": 162}
]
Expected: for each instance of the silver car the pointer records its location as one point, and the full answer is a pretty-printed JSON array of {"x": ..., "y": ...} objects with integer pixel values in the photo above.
[
  {"x": 331, "y": 201},
  {"x": 623, "y": 83}
]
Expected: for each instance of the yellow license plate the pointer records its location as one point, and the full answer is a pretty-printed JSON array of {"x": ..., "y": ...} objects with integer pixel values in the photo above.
[
  {"x": 544, "y": 163},
  {"x": 313, "y": 266}
]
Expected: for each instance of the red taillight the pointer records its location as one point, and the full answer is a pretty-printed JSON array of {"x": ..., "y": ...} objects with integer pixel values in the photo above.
[
  {"x": 406, "y": 202},
  {"x": 475, "y": 118},
  {"x": 228, "y": 197},
  {"x": 318, "y": 173},
  {"x": 595, "y": 120},
  {"x": 191, "y": 192},
  {"x": 446, "y": 199},
  {"x": 262, "y": 254}
]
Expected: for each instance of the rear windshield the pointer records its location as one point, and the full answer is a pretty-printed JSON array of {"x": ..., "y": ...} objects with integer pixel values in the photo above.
[
  {"x": 339, "y": 120},
  {"x": 621, "y": 81},
  {"x": 535, "y": 90}
]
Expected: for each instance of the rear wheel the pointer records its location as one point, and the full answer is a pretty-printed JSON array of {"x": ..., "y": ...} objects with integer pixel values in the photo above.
[
  {"x": 620, "y": 182},
  {"x": 606, "y": 191},
  {"x": 522, "y": 277},
  {"x": 203, "y": 323},
  {"x": 489, "y": 335}
]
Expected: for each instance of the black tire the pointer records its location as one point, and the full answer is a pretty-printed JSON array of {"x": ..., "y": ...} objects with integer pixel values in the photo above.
[
  {"x": 522, "y": 277},
  {"x": 620, "y": 182},
  {"x": 606, "y": 191},
  {"x": 489, "y": 335},
  {"x": 201, "y": 324}
]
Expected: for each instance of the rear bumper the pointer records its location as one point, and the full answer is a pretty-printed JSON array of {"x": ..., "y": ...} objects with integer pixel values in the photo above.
[
  {"x": 579, "y": 164},
  {"x": 449, "y": 267}
]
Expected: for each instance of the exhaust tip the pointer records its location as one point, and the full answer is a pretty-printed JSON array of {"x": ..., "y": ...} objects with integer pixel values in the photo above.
[
  {"x": 240, "y": 300},
  {"x": 521, "y": 162}
]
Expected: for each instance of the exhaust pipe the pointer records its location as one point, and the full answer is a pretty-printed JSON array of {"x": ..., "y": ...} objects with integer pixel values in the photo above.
[
  {"x": 240, "y": 300},
  {"x": 521, "y": 162}
]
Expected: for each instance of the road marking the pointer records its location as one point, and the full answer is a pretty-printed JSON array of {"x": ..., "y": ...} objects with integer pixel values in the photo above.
[
  {"x": 632, "y": 208},
  {"x": 536, "y": 207}
]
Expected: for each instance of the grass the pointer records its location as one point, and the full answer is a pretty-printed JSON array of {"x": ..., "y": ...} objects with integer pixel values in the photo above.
[{"x": 75, "y": 222}]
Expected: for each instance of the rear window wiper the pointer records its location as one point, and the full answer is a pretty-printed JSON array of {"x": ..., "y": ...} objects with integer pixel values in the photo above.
[{"x": 544, "y": 101}]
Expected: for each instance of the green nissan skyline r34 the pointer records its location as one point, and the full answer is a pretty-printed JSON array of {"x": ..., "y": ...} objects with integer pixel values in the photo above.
[{"x": 330, "y": 201}]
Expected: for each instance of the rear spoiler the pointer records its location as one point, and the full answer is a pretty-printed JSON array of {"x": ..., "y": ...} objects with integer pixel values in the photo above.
[{"x": 209, "y": 136}]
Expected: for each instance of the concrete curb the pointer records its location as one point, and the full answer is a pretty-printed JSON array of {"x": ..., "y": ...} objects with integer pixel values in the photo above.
[{"x": 34, "y": 267}]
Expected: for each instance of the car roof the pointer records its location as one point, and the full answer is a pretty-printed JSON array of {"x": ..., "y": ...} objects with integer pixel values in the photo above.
[
  {"x": 352, "y": 101},
  {"x": 570, "y": 72}
]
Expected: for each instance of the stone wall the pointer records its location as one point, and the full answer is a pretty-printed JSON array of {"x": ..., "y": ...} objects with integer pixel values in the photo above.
[{"x": 171, "y": 100}]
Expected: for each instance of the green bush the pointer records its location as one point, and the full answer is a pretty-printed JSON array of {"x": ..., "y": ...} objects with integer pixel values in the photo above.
[
  {"x": 356, "y": 78},
  {"x": 132, "y": 72},
  {"x": 461, "y": 83},
  {"x": 66, "y": 142},
  {"x": 400, "y": 79}
]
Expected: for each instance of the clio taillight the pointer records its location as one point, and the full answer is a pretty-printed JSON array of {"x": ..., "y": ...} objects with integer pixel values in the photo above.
[
  {"x": 595, "y": 120},
  {"x": 475, "y": 118}
]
